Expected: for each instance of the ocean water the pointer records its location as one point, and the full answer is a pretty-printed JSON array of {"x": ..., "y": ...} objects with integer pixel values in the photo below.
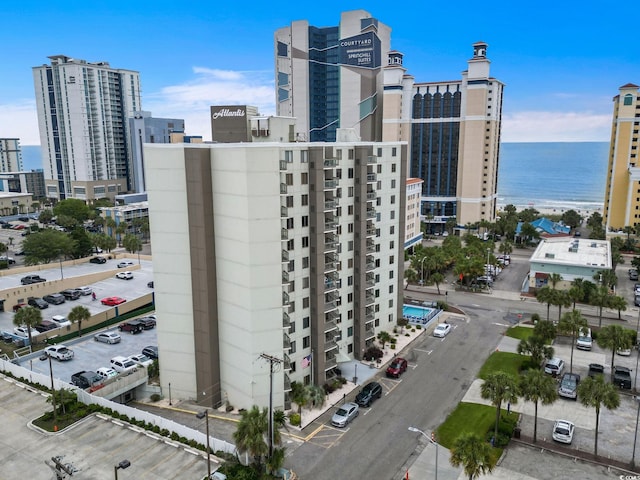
[
  {"x": 559, "y": 175},
  {"x": 553, "y": 175}
]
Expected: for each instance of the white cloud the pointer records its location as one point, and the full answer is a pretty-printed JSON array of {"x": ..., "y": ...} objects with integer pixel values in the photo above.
[
  {"x": 20, "y": 120},
  {"x": 538, "y": 126},
  {"x": 192, "y": 100}
]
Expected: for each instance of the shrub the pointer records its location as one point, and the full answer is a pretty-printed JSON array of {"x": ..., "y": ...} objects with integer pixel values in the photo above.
[
  {"x": 393, "y": 346},
  {"x": 342, "y": 380},
  {"x": 402, "y": 322},
  {"x": 373, "y": 353},
  {"x": 328, "y": 388},
  {"x": 294, "y": 419},
  {"x": 418, "y": 327},
  {"x": 155, "y": 397},
  {"x": 407, "y": 335},
  {"x": 393, "y": 341}
]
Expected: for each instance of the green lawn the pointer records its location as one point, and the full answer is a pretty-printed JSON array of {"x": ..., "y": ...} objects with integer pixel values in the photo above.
[
  {"x": 519, "y": 332},
  {"x": 510, "y": 363}
]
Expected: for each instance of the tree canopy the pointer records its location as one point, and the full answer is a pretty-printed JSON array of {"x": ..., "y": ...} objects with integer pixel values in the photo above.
[
  {"x": 74, "y": 208},
  {"x": 46, "y": 246}
]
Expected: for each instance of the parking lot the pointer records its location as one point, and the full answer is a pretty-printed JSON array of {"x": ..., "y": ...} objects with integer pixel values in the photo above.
[{"x": 88, "y": 354}]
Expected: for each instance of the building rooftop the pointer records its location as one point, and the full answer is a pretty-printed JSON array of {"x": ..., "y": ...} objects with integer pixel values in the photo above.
[{"x": 574, "y": 251}]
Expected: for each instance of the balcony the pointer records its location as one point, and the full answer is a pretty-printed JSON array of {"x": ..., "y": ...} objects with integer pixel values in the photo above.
[
  {"x": 371, "y": 213},
  {"x": 330, "y": 225},
  {"x": 330, "y": 162},
  {"x": 369, "y": 299},
  {"x": 370, "y": 264},
  {"x": 285, "y": 299},
  {"x": 331, "y": 316},
  {"x": 330, "y": 285},
  {"x": 284, "y": 212},
  {"x": 287, "y": 383},
  {"x": 330, "y": 345},
  {"x": 330, "y": 242},
  {"x": 285, "y": 277},
  {"x": 369, "y": 328},
  {"x": 330, "y": 363},
  {"x": 284, "y": 234},
  {"x": 285, "y": 255},
  {"x": 283, "y": 164},
  {"x": 330, "y": 204},
  {"x": 371, "y": 177},
  {"x": 370, "y": 317},
  {"x": 330, "y": 267},
  {"x": 371, "y": 246},
  {"x": 286, "y": 362},
  {"x": 328, "y": 185},
  {"x": 283, "y": 189},
  {"x": 286, "y": 320},
  {"x": 371, "y": 232},
  {"x": 286, "y": 341},
  {"x": 330, "y": 326},
  {"x": 370, "y": 280},
  {"x": 371, "y": 160},
  {"x": 330, "y": 305}
]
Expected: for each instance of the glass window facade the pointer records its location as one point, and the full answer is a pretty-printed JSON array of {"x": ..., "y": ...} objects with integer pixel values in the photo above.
[{"x": 324, "y": 87}]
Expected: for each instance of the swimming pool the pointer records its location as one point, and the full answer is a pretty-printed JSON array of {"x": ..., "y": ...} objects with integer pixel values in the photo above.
[{"x": 418, "y": 314}]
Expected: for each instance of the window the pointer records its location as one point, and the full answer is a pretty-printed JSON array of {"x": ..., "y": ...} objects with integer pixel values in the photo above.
[
  {"x": 305, "y": 262},
  {"x": 282, "y": 49},
  {"x": 351, "y": 190},
  {"x": 305, "y": 302},
  {"x": 350, "y": 209},
  {"x": 292, "y": 327},
  {"x": 350, "y": 348},
  {"x": 290, "y": 244},
  {"x": 393, "y": 199},
  {"x": 393, "y": 183},
  {"x": 293, "y": 366},
  {"x": 350, "y": 281},
  {"x": 350, "y": 228},
  {"x": 350, "y": 332},
  {"x": 304, "y": 178},
  {"x": 390, "y": 305},
  {"x": 393, "y": 214},
  {"x": 394, "y": 152},
  {"x": 305, "y": 282},
  {"x": 305, "y": 220},
  {"x": 292, "y": 265},
  {"x": 350, "y": 314},
  {"x": 392, "y": 230},
  {"x": 305, "y": 242},
  {"x": 288, "y": 156},
  {"x": 305, "y": 322},
  {"x": 350, "y": 298},
  {"x": 289, "y": 178},
  {"x": 292, "y": 349},
  {"x": 305, "y": 200},
  {"x": 289, "y": 202},
  {"x": 391, "y": 260},
  {"x": 350, "y": 245},
  {"x": 350, "y": 263},
  {"x": 393, "y": 167},
  {"x": 391, "y": 274},
  {"x": 289, "y": 223},
  {"x": 304, "y": 156},
  {"x": 306, "y": 342},
  {"x": 350, "y": 172},
  {"x": 390, "y": 288},
  {"x": 391, "y": 244}
]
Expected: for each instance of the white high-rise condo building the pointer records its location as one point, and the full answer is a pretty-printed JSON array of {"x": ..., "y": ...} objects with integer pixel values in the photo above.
[
  {"x": 289, "y": 250},
  {"x": 82, "y": 116},
  {"x": 10, "y": 155}
]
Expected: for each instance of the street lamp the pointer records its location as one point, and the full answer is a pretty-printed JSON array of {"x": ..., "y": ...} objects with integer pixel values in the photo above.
[
  {"x": 432, "y": 440},
  {"x": 123, "y": 464},
  {"x": 202, "y": 415}
]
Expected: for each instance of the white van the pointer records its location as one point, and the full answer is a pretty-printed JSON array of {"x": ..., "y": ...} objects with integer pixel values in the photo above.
[{"x": 584, "y": 340}]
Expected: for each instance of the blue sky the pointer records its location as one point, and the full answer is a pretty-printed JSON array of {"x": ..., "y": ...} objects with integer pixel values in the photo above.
[{"x": 562, "y": 62}]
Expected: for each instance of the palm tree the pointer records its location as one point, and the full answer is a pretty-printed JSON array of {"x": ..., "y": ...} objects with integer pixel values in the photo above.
[
  {"x": 618, "y": 303},
  {"x": 437, "y": 278},
  {"x": 111, "y": 224},
  {"x": 600, "y": 299},
  {"x": 614, "y": 338},
  {"x": 545, "y": 330},
  {"x": 536, "y": 386},
  {"x": 79, "y": 314},
  {"x": 561, "y": 300},
  {"x": 473, "y": 454},
  {"x": 317, "y": 396},
  {"x": 29, "y": 317},
  {"x": 595, "y": 392},
  {"x": 250, "y": 434},
  {"x": 546, "y": 295},
  {"x": 572, "y": 323},
  {"x": 536, "y": 347},
  {"x": 555, "y": 278},
  {"x": 499, "y": 387},
  {"x": 384, "y": 337},
  {"x": 299, "y": 395}
]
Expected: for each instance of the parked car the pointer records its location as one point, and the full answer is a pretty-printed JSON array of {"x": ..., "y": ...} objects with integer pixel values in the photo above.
[
  {"x": 554, "y": 366},
  {"x": 595, "y": 369},
  {"x": 85, "y": 290},
  {"x": 124, "y": 275},
  {"x": 123, "y": 364},
  {"x": 106, "y": 373},
  {"x": 29, "y": 279},
  {"x": 107, "y": 337},
  {"x": 46, "y": 325},
  {"x": 397, "y": 367},
  {"x": 150, "y": 351},
  {"x": 369, "y": 393},
  {"x": 132, "y": 326},
  {"x": 563, "y": 431},
  {"x": 622, "y": 377},
  {"x": 112, "y": 301},
  {"x": 147, "y": 322},
  {"x": 584, "y": 341},
  {"x": 9, "y": 260},
  {"x": 23, "y": 331},
  {"x": 633, "y": 275},
  {"x": 86, "y": 379},
  {"x": 345, "y": 414},
  {"x": 624, "y": 352},
  {"x": 141, "y": 359},
  {"x": 569, "y": 386},
  {"x": 18, "y": 306},
  {"x": 37, "y": 302},
  {"x": 61, "y": 321},
  {"x": 125, "y": 264},
  {"x": 59, "y": 352},
  {"x": 442, "y": 330},
  {"x": 99, "y": 260},
  {"x": 71, "y": 294},
  {"x": 54, "y": 298}
]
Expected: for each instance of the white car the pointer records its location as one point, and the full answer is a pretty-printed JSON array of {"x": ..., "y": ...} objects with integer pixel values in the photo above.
[
  {"x": 125, "y": 264},
  {"x": 23, "y": 331},
  {"x": 106, "y": 373},
  {"x": 442, "y": 330},
  {"x": 60, "y": 352},
  {"x": 124, "y": 275},
  {"x": 624, "y": 352},
  {"x": 85, "y": 290},
  {"x": 122, "y": 364},
  {"x": 141, "y": 359},
  {"x": 563, "y": 431}
]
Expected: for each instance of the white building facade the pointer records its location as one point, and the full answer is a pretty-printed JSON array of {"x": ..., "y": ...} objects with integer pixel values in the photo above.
[
  {"x": 10, "y": 155},
  {"x": 291, "y": 250},
  {"x": 82, "y": 117}
]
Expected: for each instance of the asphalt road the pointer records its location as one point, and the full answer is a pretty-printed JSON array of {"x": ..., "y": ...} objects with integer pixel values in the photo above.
[{"x": 377, "y": 444}]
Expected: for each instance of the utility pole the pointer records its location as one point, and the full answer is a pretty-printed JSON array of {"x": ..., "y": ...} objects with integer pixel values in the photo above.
[
  {"x": 272, "y": 361},
  {"x": 60, "y": 469},
  {"x": 53, "y": 396}
]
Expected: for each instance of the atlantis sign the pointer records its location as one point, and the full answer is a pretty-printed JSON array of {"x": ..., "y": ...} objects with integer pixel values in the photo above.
[{"x": 360, "y": 51}]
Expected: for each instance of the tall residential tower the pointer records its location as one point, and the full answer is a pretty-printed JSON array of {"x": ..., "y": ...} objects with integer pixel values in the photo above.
[
  {"x": 622, "y": 194},
  {"x": 82, "y": 116}
]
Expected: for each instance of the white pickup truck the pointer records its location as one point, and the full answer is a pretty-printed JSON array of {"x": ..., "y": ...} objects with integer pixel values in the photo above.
[{"x": 59, "y": 352}]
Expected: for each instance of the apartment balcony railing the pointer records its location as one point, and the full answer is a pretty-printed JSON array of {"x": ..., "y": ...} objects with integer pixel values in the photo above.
[
  {"x": 330, "y": 225},
  {"x": 283, "y": 164},
  {"x": 371, "y": 177},
  {"x": 330, "y": 326},
  {"x": 371, "y": 159},
  {"x": 370, "y": 281},
  {"x": 284, "y": 212},
  {"x": 331, "y": 305},
  {"x": 330, "y": 242},
  {"x": 286, "y": 320},
  {"x": 283, "y": 188},
  {"x": 284, "y": 234},
  {"x": 331, "y": 316},
  {"x": 330, "y": 363},
  {"x": 330, "y": 184},
  {"x": 330, "y": 345},
  {"x": 371, "y": 247},
  {"x": 285, "y": 299},
  {"x": 285, "y": 255},
  {"x": 285, "y": 277},
  {"x": 287, "y": 383},
  {"x": 371, "y": 213},
  {"x": 286, "y": 341},
  {"x": 330, "y": 266},
  {"x": 369, "y": 299},
  {"x": 330, "y": 162}
]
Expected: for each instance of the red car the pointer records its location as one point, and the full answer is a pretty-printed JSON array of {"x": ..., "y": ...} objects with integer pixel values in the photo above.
[
  {"x": 397, "y": 367},
  {"x": 112, "y": 301},
  {"x": 18, "y": 306}
]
